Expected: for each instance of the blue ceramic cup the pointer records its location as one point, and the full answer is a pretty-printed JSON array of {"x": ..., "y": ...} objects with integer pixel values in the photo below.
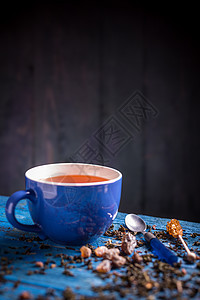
[{"x": 68, "y": 213}]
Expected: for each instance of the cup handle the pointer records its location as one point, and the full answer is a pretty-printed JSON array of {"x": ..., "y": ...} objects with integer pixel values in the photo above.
[{"x": 10, "y": 212}]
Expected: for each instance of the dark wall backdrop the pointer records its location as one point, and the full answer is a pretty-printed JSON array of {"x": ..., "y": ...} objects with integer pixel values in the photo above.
[{"x": 66, "y": 69}]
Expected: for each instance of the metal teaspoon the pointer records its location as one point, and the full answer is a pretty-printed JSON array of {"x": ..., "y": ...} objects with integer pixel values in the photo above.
[{"x": 137, "y": 224}]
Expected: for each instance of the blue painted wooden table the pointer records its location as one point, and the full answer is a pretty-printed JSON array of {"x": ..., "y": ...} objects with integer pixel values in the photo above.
[{"x": 18, "y": 272}]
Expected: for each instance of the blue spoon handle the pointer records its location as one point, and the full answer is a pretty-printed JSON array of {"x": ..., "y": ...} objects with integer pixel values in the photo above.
[{"x": 160, "y": 250}]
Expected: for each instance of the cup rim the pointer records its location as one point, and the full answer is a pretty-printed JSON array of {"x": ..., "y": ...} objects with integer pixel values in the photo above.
[{"x": 31, "y": 170}]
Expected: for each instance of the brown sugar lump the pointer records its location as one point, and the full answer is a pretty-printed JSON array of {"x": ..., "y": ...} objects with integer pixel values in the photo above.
[
  {"x": 85, "y": 252},
  {"x": 104, "y": 266},
  {"x": 100, "y": 251},
  {"x": 128, "y": 243}
]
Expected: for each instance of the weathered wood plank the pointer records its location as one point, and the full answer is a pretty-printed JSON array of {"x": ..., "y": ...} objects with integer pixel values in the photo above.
[
  {"x": 122, "y": 62},
  {"x": 16, "y": 105},
  {"x": 14, "y": 244},
  {"x": 169, "y": 161},
  {"x": 64, "y": 72},
  {"x": 67, "y": 84}
]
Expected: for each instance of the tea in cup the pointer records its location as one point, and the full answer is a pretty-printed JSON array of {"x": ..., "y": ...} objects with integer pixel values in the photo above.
[{"x": 69, "y": 203}]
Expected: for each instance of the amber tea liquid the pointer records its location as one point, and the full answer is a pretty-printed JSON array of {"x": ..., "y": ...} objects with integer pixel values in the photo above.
[{"x": 75, "y": 179}]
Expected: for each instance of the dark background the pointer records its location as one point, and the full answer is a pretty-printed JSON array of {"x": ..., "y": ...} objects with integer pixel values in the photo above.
[{"x": 65, "y": 69}]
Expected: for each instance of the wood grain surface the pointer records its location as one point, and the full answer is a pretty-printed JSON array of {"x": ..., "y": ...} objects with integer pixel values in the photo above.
[
  {"x": 20, "y": 251},
  {"x": 65, "y": 72}
]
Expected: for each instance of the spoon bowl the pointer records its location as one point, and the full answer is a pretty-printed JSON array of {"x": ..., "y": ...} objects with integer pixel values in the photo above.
[{"x": 135, "y": 223}]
